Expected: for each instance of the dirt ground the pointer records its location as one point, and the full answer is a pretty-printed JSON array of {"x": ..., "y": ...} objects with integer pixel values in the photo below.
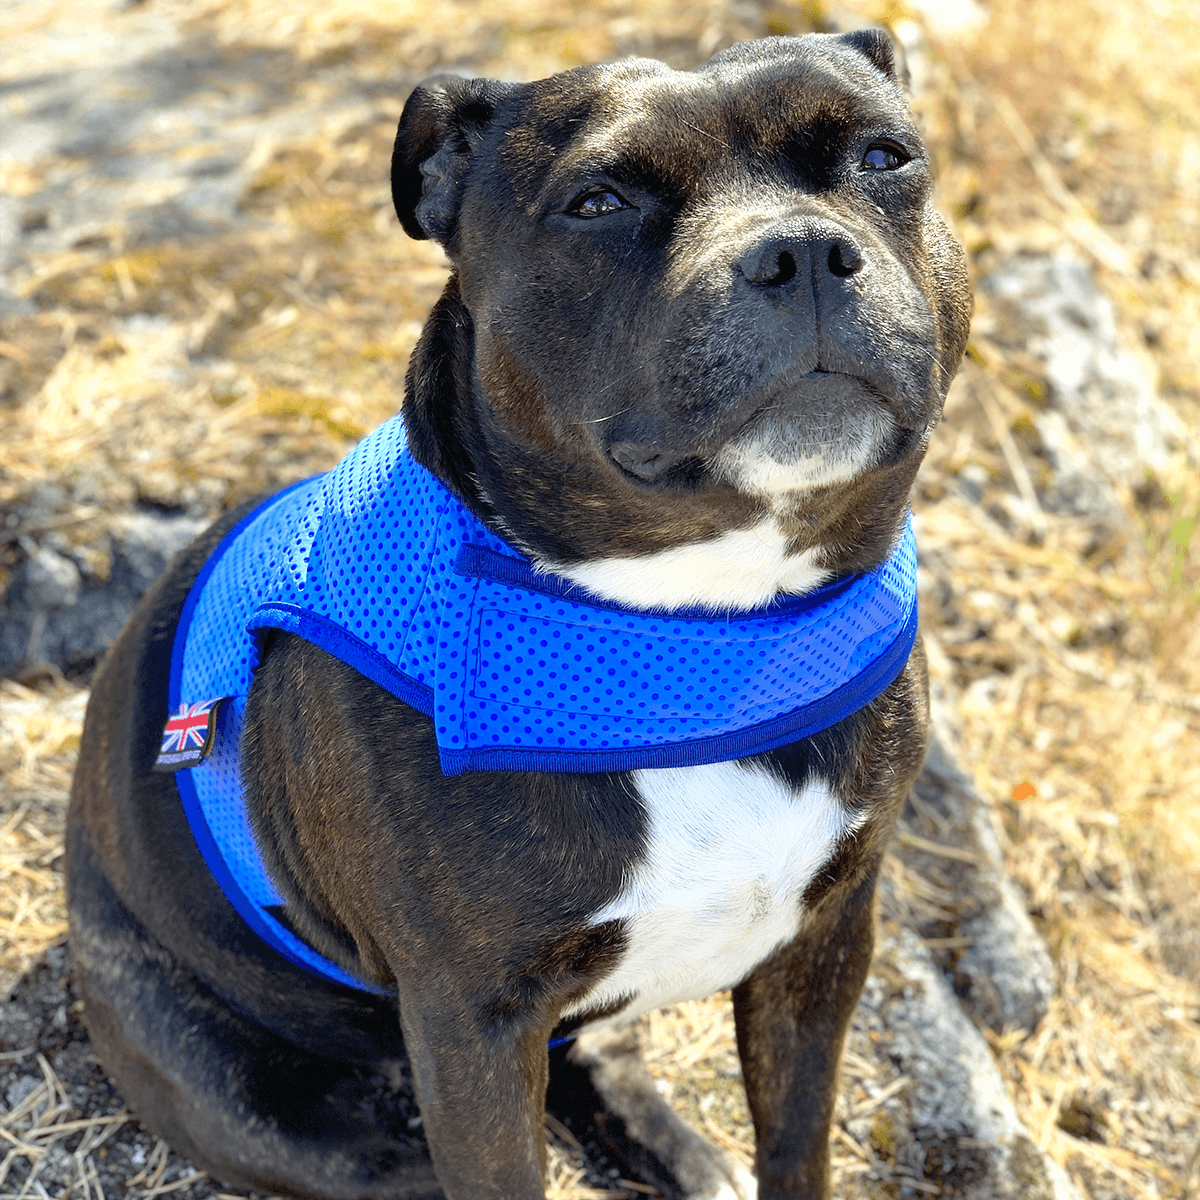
[{"x": 206, "y": 295}]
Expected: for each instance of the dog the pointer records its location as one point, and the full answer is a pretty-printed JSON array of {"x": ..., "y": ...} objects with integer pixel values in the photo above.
[{"x": 587, "y": 685}]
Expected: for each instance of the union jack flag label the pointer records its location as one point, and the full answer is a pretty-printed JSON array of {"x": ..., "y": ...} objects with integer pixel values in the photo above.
[{"x": 189, "y": 734}]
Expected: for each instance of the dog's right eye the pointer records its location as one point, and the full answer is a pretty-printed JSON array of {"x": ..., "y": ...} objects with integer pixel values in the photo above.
[{"x": 597, "y": 203}]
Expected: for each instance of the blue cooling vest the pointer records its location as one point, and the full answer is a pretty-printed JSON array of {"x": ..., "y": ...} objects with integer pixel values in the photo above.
[{"x": 379, "y": 564}]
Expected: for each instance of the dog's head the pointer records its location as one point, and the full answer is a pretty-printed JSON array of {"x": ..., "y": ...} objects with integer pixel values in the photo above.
[{"x": 700, "y": 325}]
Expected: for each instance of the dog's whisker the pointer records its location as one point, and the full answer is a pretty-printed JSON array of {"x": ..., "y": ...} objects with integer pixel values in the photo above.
[{"x": 601, "y": 420}]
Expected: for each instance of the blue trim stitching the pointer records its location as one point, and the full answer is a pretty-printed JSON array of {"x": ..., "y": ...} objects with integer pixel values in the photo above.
[
  {"x": 320, "y": 631},
  {"x": 282, "y": 940}
]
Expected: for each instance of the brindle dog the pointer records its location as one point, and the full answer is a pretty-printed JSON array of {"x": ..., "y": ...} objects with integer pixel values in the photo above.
[{"x": 699, "y": 329}]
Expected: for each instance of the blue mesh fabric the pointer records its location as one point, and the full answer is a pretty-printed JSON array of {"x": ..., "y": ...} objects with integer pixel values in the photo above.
[{"x": 379, "y": 564}]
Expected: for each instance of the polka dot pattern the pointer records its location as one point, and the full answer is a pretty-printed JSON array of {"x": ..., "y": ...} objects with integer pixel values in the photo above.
[
  {"x": 220, "y": 660},
  {"x": 551, "y": 673}
]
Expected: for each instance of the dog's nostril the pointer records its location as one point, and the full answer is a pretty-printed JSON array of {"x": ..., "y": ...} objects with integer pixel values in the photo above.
[
  {"x": 771, "y": 265},
  {"x": 785, "y": 269},
  {"x": 844, "y": 259}
]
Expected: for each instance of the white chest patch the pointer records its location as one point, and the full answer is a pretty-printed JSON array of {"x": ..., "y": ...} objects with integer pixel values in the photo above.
[
  {"x": 743, "y": 568},
  {"x": 729, "y": 854}
]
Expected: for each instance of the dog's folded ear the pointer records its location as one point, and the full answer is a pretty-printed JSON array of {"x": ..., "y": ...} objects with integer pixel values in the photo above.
[
  {"x": 439, "y": 129},
  {"x": 876, "y": 45}
]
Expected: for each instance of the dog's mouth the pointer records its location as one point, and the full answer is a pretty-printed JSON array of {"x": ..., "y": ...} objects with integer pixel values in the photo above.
[
  {"x": 823, "y": 428},
  {"x": 868, "y": 387},
  {"x": 809, "y": 406},
  {"x": 820, "y": 415}
]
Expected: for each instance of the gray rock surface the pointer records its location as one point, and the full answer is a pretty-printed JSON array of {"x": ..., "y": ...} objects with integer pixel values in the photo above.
[
  {"x": 948, "y": 838},
  {"x": 953, "y": 1124},
  {"x": 132, "y": 128},
  {"x": 1102, "y": 424},
  {"x": 143, "y": 130},
  {"x": 55, "y": 613}
]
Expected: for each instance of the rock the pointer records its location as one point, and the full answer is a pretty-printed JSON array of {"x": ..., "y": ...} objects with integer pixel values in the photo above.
[
  {"x": 947, "y": 837},
  {"x": 54, "y": 613},
  {"x": 1103, "y": 425},
  {"x": 10, "y": 303},
  {"x": 118, "y": 101},
  {"x": 952, "y": 1123},
  {"x": 52, "y": 580}
]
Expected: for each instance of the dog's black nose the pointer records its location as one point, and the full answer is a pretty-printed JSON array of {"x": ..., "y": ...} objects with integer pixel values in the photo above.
[{"x": 777, "y": 259}]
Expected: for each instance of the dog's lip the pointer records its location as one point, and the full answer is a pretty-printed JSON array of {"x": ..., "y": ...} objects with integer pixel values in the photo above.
[
  {"x": 646, "y": 464},
  {"x": 871, "y": 389}
]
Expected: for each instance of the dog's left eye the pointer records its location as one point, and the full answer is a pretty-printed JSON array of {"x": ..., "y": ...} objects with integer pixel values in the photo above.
[
  {"x": 597, "y": 204},
  {"x": 883, "y": 156}
]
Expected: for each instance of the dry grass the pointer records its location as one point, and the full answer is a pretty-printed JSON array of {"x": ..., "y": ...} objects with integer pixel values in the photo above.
[
  {"x": 41, "y": 1120},
  {"x": 1075, "y": 648},
  {"x": 1078, "y": 651},
  {"x": 39, "y": 736}
]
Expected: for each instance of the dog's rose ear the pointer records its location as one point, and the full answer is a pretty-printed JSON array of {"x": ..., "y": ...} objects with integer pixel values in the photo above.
[
  {"x": 875, "y": 45},
  {"x": 439, "y": 129}
]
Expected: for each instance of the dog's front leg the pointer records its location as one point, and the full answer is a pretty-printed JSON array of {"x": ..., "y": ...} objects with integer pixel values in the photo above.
[
  {"x": 791, "y": 1015},
  {"x": 482, "y": 1094}
]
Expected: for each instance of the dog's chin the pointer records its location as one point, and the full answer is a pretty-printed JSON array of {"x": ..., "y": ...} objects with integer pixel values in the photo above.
[{"x": 825, "y": 429}]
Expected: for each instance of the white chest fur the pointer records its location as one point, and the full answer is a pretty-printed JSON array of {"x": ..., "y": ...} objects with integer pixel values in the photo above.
[
  {"x": 730, "y": 851},
  {"x": 743, "y": 568}
]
